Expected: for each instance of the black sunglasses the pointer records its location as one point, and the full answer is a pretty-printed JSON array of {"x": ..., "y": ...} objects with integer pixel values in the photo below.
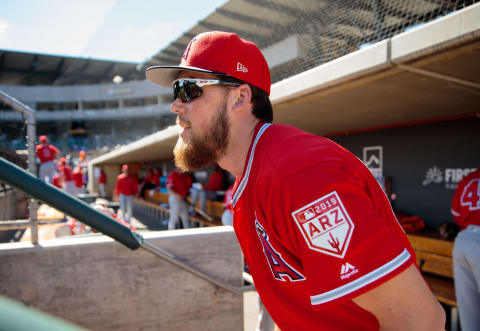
[{"x": 188, "y": 89}]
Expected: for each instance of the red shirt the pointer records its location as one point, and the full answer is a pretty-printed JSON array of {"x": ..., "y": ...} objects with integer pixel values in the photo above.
[
  {"x": 77, "y": 177},
  {"x": 316, "y": 230},
  {"x": 126, "y": 184},
  {"x": 46, "y": 153},
  {"x": 156, "y": 179},
  {"x": 466, "y": 201},
  {"x": 215, "y": 182},
  {"x": 102, "y": 179},
  {"x": 56, "y": 181},
  {"x": 67, "y": 172},
  {"x": 179, "y": 182}
]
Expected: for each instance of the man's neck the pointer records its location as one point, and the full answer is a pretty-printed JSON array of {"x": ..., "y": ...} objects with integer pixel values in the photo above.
[{"x": 237, "y": 151}]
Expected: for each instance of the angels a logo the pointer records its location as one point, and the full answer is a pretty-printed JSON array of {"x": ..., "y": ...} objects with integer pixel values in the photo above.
[
  {"x": 325, "y": 225},
  {"x": 187, "y": 50}
]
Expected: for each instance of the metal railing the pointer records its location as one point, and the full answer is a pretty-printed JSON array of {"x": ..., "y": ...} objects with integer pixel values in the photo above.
[
  {"x": 74, "y": 207},
  {"x": 31, "y": 123}
]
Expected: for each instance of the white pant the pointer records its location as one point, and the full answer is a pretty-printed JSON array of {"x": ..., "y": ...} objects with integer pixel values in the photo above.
[
  {"x": 265, "y": 321},
  {"x": 79, "y": 190},
  {"x": 47, "y": 171},
  {"x": 70, "y": 188},
  {"x": 126, "y": 202},
  {"x": 177, "y": 208},
  {"x": 203, "y": 195},
  {"x": 101, "y": 187},
  {"x": 466, "y": 268}
]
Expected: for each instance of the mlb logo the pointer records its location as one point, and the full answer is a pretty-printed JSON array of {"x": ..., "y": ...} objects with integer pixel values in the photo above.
[
  {"x": 308, "y": 214},
  {"x": 325, "y": 225}
]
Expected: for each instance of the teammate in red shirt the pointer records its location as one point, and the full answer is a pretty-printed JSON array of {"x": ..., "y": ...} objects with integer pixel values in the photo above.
[
  {"x": 466, "y": 260},
  {"x": 208, "y": 191},
  {"x": 67, "y": 175},
  {"x": 46, "y": 154},
  {"x": 77, "y": 176},
  {"x": 57, "y": 181},
  {"x": 126, "y": 189},
  {"x": 178, "y": 186},
  {"x": 318, "y": 233},
  {"x": 102, "y": 180}
]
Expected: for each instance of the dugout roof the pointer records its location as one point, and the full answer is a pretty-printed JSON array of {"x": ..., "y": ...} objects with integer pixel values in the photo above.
[
  {"x": 424, "y": 74},
  {"x": 22, "y": 68}
]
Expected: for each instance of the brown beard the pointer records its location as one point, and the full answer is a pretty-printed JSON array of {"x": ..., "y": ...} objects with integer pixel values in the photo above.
[{"x": 202, "y": 151}]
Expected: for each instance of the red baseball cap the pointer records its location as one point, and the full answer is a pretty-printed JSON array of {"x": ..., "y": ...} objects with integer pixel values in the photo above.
[
  {"x": 43, "y": 139},
  {"x": 219, "y": 53}
]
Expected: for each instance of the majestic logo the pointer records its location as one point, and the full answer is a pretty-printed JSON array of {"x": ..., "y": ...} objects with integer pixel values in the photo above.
[
  {"x": 241, "y": 67},
  {"x": 347, "y": 270},
  {"x": 325, "y": 225},
  {"x": 281, "y": 270}
]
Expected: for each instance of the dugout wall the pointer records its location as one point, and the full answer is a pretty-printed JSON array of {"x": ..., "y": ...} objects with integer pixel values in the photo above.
[{"x": 423, "y": 162}]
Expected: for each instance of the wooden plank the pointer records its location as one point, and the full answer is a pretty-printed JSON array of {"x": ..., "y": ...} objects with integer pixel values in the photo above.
[
  {"x": 435, "y": 263},
  {"x": 442, "y": 288},
  {"x": 430, "y": 242}
]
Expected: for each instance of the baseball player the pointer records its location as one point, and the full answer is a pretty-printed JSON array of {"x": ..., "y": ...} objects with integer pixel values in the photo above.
[
  {"x": 466, "y": 260},
  {"x": 67, "y": 175},
  {"x": 318, "y": 234},
  {"x": 46, "y": 154},
  {"x": 178, "y": 186},
  {"x": 126, "y": 189}
]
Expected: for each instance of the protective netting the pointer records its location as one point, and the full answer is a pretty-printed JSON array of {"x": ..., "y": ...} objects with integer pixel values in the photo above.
[{"x": 320, "y": 30}]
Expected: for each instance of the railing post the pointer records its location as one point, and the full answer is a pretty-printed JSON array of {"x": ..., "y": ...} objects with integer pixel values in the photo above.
[{"x": 31, "y": 122}]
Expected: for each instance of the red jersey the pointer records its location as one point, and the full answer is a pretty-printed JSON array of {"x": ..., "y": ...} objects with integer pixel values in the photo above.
[
  {"x": 316, "y": 230},
  {"x": 466, "y": 201},
  {"x": 56, "y": 181},
  {"x": 179, "y": 182},
  {"x": 215, "y": 182},
  {"x": 46, "y": 153},
  {"x": 66, "y": 172},
  {"x": 126, "y": 184},
  {"x": 227, "y": 200},
  {"x": 102, "y": 179},
  {"x": 77, "y": 177}
]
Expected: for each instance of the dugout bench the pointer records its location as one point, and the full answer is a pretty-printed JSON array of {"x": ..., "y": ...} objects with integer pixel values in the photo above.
[
  {"x": 154, "y": 198},
  {"x": 434, "y": 259}
]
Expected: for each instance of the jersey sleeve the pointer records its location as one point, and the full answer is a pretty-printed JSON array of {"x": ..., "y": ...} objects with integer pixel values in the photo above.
[{"x": 347, "y": 241}]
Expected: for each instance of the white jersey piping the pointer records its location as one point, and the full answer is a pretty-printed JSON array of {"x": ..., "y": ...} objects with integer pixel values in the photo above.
[
  {"x": 362, "y": 281},
  {"x": 244, "y": 181}
]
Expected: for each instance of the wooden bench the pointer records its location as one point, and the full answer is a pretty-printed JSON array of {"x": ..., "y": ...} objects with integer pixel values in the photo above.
[{"x": 434, "y": 259}]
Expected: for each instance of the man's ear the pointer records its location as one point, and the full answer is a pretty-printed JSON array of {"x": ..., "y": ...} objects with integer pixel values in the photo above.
[{"x": 243, "y": 97}]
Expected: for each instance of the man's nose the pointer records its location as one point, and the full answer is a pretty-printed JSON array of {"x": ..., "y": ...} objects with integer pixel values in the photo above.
[{"x": 177, "y": 106}]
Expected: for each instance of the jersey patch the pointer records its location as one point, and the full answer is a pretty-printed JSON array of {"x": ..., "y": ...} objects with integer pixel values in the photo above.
[
  {"x": 325, "y": 225},
  {"x": 281, "y": 270}
]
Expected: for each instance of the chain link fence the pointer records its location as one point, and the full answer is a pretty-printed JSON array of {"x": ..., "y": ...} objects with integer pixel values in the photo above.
[{"x": 324, "y": 29}]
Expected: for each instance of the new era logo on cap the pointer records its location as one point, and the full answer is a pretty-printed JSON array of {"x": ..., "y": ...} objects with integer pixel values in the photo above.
[
  {"x": 218, "y": 53},
  {"x": 241, "y": 67}
]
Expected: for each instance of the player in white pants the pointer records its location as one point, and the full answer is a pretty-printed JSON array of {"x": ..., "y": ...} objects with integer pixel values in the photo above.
[
  {"x": 466, "y": 268},
  {"x": 178, "y": 208}
]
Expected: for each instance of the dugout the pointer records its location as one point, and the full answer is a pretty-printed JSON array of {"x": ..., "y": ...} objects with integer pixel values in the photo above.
[{"x": 416, "y": 95}]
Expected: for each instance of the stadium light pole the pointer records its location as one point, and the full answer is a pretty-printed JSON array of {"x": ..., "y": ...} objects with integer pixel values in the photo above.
[{"x": 31, "y": 122}]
